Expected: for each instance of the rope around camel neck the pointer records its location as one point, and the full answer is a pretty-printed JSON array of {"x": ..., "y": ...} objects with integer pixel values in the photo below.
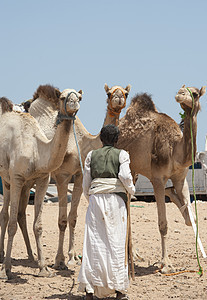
[{"x": 76, "y": 141}]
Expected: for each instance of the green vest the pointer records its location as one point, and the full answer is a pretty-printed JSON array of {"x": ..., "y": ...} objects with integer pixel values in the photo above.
[{"x": 105, "y": 164}]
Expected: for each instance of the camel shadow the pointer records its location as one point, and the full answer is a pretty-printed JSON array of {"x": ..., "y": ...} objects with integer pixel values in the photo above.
[
  {"x": 26, "y": 262},
  {"x": 70, "y": 296},
  {"x": 16, "y": 279},
  {"x": 65, "y": 296},
  {"x": 144, "y": 271}
]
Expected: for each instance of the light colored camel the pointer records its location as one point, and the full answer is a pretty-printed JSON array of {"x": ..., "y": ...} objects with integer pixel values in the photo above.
[
  {"x": 116, "y": 101},
  {"x": 160, "y": 151},
  {"x": 27, "y": 157}
]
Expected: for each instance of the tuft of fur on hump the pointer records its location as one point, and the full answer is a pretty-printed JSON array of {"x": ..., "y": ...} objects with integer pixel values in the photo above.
[
  {"x": 49, "y": 93},
  {"x": 138, "y": 118},
  {"x": 142, "y": 103},
  {"x": 6, "y": 105}
]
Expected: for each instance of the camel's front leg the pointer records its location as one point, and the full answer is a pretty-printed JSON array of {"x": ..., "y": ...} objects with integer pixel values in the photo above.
[
  {"x": 4, "y": 218},
  {"x": 15, "y": 191},
  {"x": 62, "y": 187},
  {"x": 22, "y": 217},
  {"x": 41, "y": 188},
  {"x": 159, "y": 192},
  {"x": 72, "y": 218}
]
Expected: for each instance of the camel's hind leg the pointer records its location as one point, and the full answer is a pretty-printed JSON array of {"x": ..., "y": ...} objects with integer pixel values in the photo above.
[
  {"x": 159, "y": 192},
  {"x": 72, "y": 218},
  {"x": 180, "y": 196},
  {"x": 4, "y": 218},
  {"x": 41, "y": 188},
  {"x": 62, "y": 187}
]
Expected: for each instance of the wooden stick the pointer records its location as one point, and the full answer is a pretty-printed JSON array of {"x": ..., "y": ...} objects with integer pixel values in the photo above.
[
  {"x": 128, "y": 249},
  {"x": 127, "y": 238}
]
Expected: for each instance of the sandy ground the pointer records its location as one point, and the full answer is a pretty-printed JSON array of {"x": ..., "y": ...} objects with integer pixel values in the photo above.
[{"x": 148, "y": 283}]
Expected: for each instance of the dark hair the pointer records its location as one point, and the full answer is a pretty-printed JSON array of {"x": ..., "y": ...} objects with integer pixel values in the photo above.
[
  {"x": 109, "y": 135},
  {"x": 27, "y": 105}
]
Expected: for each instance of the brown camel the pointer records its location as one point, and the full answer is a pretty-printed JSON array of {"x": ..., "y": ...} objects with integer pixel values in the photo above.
[
  {"x": 160, "y": 151},
  {"x": 27, "y": 157},
  {"x": 45, "y": 113}
]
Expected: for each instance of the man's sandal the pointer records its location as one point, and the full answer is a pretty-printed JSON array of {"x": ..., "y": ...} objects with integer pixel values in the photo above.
[{"x": 121, "y": 296}]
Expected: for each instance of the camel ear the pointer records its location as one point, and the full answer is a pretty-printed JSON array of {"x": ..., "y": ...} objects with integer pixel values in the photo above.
[
  {"x": 80, "y": 92},
  {"x": 202, "y": 91},
  {"x": 106, "y": 88},
  {"x": 58, "y": 93},
  {"x": 128, "y": 88},
  {"x": 183, "y": 86}
]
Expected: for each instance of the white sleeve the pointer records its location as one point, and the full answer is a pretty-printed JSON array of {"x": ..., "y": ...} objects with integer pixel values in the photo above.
[
  {"x": 87, "y": 175},
  {"x": 125, "y": 173}
]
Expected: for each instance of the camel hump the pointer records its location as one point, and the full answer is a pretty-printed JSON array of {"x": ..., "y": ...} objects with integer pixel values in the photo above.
[
  {"x": 47, "y": 92},
  {"x": 6, "y": 105},
  {"x": 144, "y": 102}
]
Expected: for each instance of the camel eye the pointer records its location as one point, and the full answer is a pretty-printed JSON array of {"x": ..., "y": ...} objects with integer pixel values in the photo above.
[{"x": 109, "y": 95}]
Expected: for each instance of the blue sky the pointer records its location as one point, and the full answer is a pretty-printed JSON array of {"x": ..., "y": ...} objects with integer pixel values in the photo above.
[{"x": 156, "y": 46}]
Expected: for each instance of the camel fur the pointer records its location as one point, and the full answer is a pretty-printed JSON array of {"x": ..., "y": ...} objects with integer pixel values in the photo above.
[
  {"x": 160, "y": 151},
  {"x": 45, "y": 113},
  {"x": 27, "y": 157}
]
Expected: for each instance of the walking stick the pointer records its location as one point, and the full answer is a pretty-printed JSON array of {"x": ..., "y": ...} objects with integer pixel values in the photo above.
[{"x": 128, "y": 244}]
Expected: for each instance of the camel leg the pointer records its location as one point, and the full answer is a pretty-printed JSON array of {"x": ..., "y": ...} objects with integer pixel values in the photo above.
[
  {"x": 72, "y": 218},
  {"x": 22, "y": 218},
  {"x": 41, "y": 188},
  {"x": 181, "y": 197},
  {"x": 15, "y": 192},
  {"x": 4, "y": 218},
  {"x": 159, "y": 192},
  {"x": 62, "y": 187}
]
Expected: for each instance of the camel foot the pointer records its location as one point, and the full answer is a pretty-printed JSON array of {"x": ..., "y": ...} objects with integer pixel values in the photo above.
[
  {"x": 137, "y": 257},
  {"x": 60, "y": 266},
  {"x": 31, "y": 257},
  {"x": 45, "y": 272},
  {"x": 167, "y": 269},
  {"x": 5, "y": 274},
  {"x": 1, "y": 257},
  {"x": 71, "y": 262}
]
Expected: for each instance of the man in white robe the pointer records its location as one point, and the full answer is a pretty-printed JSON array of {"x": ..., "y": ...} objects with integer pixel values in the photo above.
[{"x": 107, "y": 178}]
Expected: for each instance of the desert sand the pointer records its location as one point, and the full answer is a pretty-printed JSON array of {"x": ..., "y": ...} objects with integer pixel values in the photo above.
[{"x": 149, "y": 282}]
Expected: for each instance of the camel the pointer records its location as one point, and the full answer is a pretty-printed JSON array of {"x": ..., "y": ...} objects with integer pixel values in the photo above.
[
  {"x": 160, "y": 151},
  {"x": 27, "y": 157},
  {"x": 116, "y": 101}
]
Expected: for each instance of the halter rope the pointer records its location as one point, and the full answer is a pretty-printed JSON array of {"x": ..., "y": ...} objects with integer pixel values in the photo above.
[
  {"x": 76, "y": 141},
  {"x": 62, "y": 117}
]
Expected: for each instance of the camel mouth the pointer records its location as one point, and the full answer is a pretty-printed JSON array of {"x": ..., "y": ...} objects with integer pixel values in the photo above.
[
  {"x": 179, "y": 98},
  {"x": 183, "y": 98},
  {"x": 73, "y": 108}
]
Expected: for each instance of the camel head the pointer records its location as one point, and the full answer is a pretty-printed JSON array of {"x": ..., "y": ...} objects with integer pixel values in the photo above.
[
  {"x": 69, "y": 101},
  {"x": 185, "y": 99},
  {"x": 116, "y": 98}
]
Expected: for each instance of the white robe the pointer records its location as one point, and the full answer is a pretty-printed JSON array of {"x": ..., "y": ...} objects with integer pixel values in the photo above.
[{"x": 103, "y": 269}]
